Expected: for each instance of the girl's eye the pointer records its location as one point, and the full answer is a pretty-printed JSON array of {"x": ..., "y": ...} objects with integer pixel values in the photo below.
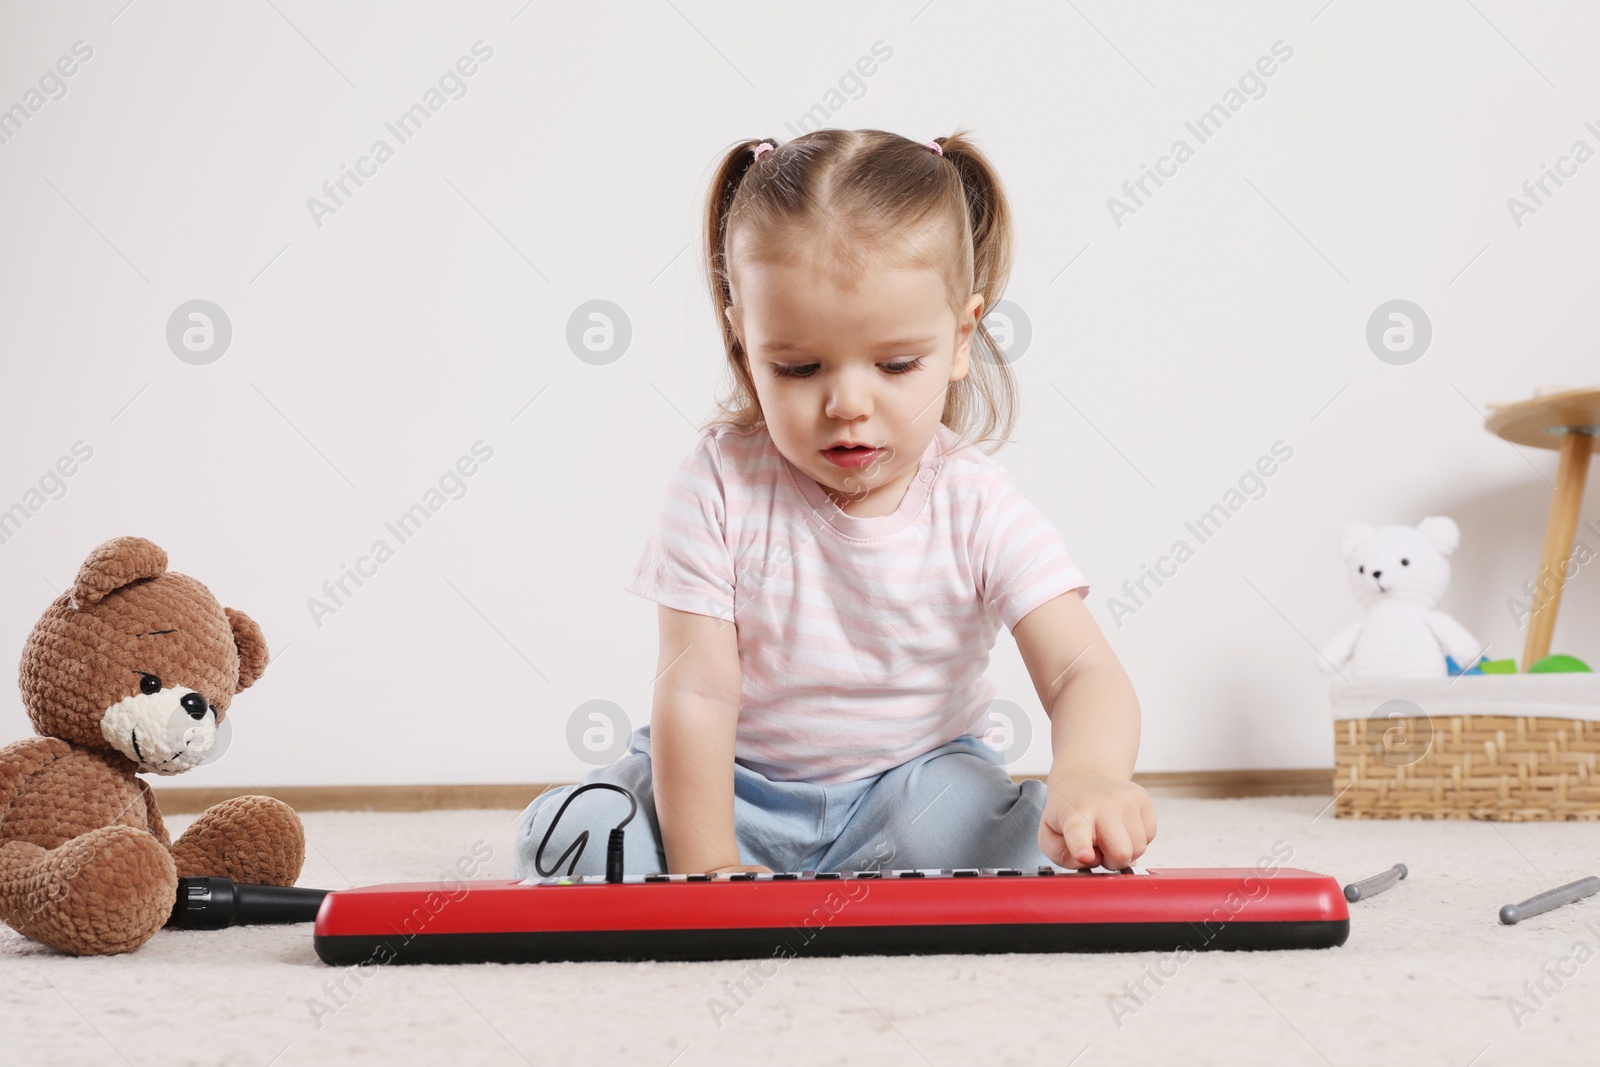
[
  {"x": 805, "y": 370},
  {"x": 149, "y": 684}
]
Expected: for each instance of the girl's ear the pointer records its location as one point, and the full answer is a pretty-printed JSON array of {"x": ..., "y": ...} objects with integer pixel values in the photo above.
[
  {"x": 969, "y": 326},
  {"x": 736, "y": 319},
  {"x": 962, "y": 364}
]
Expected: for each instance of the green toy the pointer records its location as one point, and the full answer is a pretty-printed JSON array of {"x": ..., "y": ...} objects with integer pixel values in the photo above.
[{"x": 1559, "y": 664}]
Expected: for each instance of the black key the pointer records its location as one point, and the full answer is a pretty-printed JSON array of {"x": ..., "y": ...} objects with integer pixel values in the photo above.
[
  {"x": 867, "y": 874},
  {"x": 785, "y": 876},
  {"x": 835, "y": 875},
  {"x": 1047, "y": 870},
  {"x": 657, "y": 878},
  {"x": 965, "y": 872},
  {"x": 699, "y": 878},
  {"x": 911, "y": 874}
]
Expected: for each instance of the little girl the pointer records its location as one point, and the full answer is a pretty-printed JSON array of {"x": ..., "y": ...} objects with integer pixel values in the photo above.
[{"x": 835, "y": 556}]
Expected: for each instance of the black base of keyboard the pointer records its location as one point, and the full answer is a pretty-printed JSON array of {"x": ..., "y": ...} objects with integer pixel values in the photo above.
[{"x": 587, "y": 946}]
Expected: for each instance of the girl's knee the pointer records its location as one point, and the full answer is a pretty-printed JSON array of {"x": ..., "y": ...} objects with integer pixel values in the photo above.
[{"x": 964, "y": 777}]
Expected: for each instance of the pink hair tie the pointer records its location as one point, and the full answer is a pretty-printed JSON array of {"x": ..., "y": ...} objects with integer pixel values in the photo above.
[
  {"x": 935, "y": 146},
  {"x": 760, "y": 150}
]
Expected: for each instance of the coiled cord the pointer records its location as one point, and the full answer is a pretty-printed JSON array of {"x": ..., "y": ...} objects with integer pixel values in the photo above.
[{"x": 613, "y": 844}]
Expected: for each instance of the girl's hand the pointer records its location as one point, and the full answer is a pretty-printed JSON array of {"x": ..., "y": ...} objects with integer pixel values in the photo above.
[
  {"x": 1095, "y": 821},
  {"x": 734, "y": 868}
]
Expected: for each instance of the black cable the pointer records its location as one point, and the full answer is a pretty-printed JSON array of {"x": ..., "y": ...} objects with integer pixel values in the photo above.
[{"x": 613, "y": 845}]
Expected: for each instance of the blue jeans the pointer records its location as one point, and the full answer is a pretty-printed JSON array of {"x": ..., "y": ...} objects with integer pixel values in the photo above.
[{"x": 954, "y": 806}]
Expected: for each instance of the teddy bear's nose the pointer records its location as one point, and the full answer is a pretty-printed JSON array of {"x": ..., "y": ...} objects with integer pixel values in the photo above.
[
  {"x": 1375, "y": 576},
  {"x": 194, "y": 704}
]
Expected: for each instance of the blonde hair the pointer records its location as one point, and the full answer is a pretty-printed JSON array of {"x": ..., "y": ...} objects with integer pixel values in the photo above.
[{"x": 866, "y": 192}]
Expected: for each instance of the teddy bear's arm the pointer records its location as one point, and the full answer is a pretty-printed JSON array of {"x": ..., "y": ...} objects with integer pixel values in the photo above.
[
  {"x": 21, "y": 761},
  {"x": 153, "y": 813},
  {"x": 1339, "y": 649},
  {"x": 1454, "y": 638}
]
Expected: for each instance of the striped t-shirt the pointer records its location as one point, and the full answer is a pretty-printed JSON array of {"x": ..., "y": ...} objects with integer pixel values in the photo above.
[{"x": 862, "y": 640}]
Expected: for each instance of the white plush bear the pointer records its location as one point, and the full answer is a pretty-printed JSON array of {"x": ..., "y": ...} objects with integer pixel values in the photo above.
[{"x": 1399, "y": 574}]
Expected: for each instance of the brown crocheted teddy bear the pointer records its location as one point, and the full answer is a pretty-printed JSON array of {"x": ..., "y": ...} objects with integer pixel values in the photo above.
[{"x": 131, "y": 671}]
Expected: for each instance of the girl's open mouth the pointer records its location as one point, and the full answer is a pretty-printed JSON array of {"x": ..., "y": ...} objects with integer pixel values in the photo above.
[{"x": 858, "y": 456}]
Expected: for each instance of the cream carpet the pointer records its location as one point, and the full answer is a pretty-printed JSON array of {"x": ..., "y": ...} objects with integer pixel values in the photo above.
[{"x": 1428, "y": 975}]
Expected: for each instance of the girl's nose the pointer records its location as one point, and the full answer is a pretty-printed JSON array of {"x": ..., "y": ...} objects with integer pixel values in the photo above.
[{"x": 849, "y": 396}]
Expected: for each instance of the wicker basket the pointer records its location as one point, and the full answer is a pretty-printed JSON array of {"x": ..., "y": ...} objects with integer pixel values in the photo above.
[{"x": 1515, "y": 747}]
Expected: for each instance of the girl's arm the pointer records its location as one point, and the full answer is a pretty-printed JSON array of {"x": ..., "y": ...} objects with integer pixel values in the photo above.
[
  {"x": 692, "y": 720},
  {"x": 1094, "y": 813}
]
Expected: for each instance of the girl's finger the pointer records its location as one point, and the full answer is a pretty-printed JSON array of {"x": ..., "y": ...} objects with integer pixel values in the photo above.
[
  {"x": 1052, "y": 845},
  {"x": 1080, "y": 842},
  {"x": 1115, "y": 845},
  {"x": 1147, "y": 815}
]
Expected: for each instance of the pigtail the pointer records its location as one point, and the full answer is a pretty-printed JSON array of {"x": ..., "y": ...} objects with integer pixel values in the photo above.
[
  {"x": 724, "y": 187},
  {"x": 989, "y": 216},
  {"x": 989, "y": 212}
]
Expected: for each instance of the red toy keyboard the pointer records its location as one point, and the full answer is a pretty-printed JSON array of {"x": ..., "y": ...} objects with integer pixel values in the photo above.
[{"x": 823, "y": 913}]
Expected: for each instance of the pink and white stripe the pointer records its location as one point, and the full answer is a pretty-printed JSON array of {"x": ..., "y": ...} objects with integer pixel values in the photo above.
[{"x": 862, "y": 641}]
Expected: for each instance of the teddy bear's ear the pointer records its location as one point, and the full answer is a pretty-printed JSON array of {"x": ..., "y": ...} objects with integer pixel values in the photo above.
[
  {"x": 119, "y": 562},
  {"x": 1351, "y": 536},
  {"x": 252, "y": 648},
  {"x": 1441, "y": 532}
]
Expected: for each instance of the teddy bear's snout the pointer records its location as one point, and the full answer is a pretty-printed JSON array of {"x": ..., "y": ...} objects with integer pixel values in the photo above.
[{"x": 165, "y": 732}]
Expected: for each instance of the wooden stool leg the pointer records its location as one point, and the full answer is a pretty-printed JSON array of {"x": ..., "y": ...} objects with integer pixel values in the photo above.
[{"x": 1559, "y": 529}]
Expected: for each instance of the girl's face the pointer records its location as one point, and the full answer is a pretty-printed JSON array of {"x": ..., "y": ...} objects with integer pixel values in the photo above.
[{"x": 866, "y": 365}]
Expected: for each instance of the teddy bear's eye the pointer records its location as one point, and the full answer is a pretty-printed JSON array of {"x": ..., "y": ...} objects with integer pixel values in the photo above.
[
  {"x": 1405, "y": 563},
  {"x": 149, "y": 684},
  {"x": 1361, "y": 569}
]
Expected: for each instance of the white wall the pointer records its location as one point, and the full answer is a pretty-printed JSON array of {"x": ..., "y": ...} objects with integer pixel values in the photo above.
[{"x": 371, "y": 351}]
